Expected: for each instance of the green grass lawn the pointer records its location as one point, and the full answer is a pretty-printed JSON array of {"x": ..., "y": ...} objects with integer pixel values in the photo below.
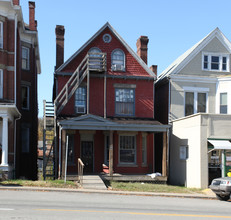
[
  {"x": 149, "y": 187},
  {"x": 123, "y": 186},
  {"x": 47, "y": 183}
]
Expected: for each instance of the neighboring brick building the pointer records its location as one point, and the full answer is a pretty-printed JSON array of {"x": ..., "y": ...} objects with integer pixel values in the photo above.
[
  {"x": 19, "y": 66},
  {"x": 106, "y": 106}
]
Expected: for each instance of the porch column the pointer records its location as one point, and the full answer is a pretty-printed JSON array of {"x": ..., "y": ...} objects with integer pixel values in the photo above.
[
  {"x": 5, "y": 142},
  {"x": 164, "y": 154},
  {"x": 111, "y": 153},
  {"x": 63, "y": 152}
]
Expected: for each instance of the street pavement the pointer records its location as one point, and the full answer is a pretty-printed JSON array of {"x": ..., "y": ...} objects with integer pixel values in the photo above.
[{"x": 207, "y": 193}]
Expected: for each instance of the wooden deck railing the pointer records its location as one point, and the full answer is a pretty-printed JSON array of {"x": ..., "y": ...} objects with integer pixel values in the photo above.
[
  {"x": 91, "y": 62},
  {"x": 80, "y": 171}
]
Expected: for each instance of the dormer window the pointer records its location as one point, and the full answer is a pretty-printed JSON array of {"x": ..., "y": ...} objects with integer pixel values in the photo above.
[
  {"x": 215, "y": 62},
  {"x": 118, "y": 60}
]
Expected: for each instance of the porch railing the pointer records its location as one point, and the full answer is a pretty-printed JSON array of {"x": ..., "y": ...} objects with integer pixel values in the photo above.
[{"x": 80, "y": 171}]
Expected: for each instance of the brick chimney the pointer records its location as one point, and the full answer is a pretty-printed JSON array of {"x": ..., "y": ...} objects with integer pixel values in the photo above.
[
  {"x": 15, "y": 2},
  {"x": 153, "y": 68},
  {"x": 142, "y": 48},
  {"x": 32, "y": 22},
  {"x": 59, "y": 31}
]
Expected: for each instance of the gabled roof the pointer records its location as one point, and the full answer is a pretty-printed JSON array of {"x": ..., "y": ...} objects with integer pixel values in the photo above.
[
  {"x": 107, "y": 25},
  {"x": 185, "y": 58},
  {"x": 94, "y": 122}
]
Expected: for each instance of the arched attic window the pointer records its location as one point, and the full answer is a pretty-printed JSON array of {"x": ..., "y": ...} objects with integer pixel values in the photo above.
[
  {"x": 118, "y": 60},
  {"x": 94, "y": 54}
]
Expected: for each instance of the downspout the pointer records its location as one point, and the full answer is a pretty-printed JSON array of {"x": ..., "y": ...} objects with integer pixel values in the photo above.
[
  {"x": 15, "y": 99},
  {"x": 15, "y": 57},
  {"x": 169, "y": 131},
  {"x": 60, "y": 161}
]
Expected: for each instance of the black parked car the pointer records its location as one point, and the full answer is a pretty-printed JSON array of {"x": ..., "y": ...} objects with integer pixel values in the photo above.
[{"x": 222, "y": 188}]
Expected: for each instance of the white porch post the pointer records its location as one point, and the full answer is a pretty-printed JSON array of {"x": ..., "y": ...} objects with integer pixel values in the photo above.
[{"x": 5, "y": 142}]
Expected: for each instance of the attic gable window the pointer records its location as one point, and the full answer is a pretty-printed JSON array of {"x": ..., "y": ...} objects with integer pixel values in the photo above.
[
  {"x": 215, "y": 62},
  {"x": 118, "y": 60}
]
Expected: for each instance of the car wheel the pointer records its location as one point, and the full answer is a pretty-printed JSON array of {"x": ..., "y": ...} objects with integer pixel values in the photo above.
[{"x": 223, "y": 197}]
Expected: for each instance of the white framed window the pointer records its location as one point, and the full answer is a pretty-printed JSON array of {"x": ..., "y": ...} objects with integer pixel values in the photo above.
[
  {"x": 118, "y": 60},
  {"x": 215, "y": 62},
  {"x": 144, "y": 149},
  {"x": 1, "y": 84},
  {"x": 25, "y": 58},
  {"x": 1, "y": 34},
  {"x": 183, "y": 152},
  {"x": 25, "y": 134},
  {"x": 223, "y": 103},
  {"x": 80, "y": 100},
  {"x": 195, "y": 100},
  {"x": 127, "y": 149},
  {"x": 125, "y": 102},
  {"x": 25, "y": 97}
]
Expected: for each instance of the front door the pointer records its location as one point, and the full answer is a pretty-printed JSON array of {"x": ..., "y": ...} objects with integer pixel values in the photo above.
[{"x": 87, "y": 155}]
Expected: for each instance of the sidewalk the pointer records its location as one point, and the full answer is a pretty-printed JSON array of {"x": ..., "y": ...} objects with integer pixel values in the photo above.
[{"x": 208, "y": 194}]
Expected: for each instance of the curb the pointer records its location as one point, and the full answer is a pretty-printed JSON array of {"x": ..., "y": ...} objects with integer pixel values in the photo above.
[{"x": 108, "y": 191}]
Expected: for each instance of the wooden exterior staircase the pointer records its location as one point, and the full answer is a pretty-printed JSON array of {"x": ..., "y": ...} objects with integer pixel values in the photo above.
[{"x": 92, "y": 62}]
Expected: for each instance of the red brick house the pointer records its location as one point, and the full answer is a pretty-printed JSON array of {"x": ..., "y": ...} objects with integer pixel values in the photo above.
[
  {"x": 19, "y": 66},
  {"x": 104, "y": 101}
]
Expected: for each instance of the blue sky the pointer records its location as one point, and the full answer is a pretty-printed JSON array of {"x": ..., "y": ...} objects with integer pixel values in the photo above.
[{"x": 173, "y": 26}]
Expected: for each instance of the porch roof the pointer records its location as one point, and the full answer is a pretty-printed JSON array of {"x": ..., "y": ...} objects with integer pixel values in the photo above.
[{"x": 93, "y": 122}]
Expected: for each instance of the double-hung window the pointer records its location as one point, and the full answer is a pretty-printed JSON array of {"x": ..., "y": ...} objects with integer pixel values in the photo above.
[
  {"x": 125, "y": 102},
  {"x": 127, "y": 149},
  {"x": 1, "y": 34},
  {"x": 215, "y": 62},
  {"x": 25, "y": 58},
  {"x": 223, "y": 103},
  {"x": 80, "y": 100},
  {"x": 25, "y": 97},
  {"x": 118, "y": 60},
  {"x": 195, "y": 100}
]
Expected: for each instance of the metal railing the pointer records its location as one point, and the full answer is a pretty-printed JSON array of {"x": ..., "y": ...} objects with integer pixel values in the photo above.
[{"x": 80, "y": 171}]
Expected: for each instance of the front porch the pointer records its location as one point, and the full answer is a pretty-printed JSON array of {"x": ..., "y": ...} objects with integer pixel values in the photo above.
[{"x": 126, "y": 147}]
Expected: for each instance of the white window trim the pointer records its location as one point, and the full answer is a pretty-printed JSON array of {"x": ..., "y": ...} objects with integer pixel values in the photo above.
[
  {"x": 1, "y": 36},
  {"x": 124, "y": 163},
  {"x": 28, "y": 58},
  {"x": 220, "y": 55},
  {"x": 219, "y": 107},
  {"x": 1, "y": 85},
  {"x": 112, "y": 65},
  {"x": 28, "y": 97},
  {"x": 196, "y": 90}
]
